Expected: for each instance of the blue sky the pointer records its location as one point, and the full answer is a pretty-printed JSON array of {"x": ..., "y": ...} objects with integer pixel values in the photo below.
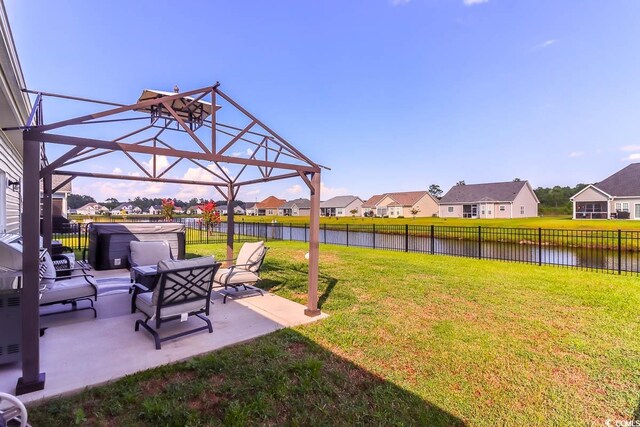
[{"x": 393, "y": 95}]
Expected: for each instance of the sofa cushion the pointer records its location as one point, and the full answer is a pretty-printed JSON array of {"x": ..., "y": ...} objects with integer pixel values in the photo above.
[
  {"x": 144, "y": 303},
  {"x": 250, "y": 255},
  {"x": 69, "y": 289},
  {"x": 48, "y": 272},
  {"x": 149, "y": 253},
  {"x": 235, "y": 276}
]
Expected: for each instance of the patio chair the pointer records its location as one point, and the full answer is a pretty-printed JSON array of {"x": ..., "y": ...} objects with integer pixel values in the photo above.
[
  {"x": 66, "y": 286},
  {"x": 183, "y": 290},
  {"x": 147, "y": 253},
  {"x": 244, "y": 273},
  {"x": 12, "y": 411}
]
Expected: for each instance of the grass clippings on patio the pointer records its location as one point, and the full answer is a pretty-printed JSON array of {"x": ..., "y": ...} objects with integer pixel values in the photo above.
[{"x": 412, "y": 340}]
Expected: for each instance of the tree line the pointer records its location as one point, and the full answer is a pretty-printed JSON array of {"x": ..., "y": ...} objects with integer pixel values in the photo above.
[{"x": 75, "y": 201}]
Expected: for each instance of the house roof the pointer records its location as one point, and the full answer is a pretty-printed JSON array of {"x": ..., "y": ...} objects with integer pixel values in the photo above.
[
  {"x": 407, "y": 198},
  {"x": 624, "y": 183},
  {"x": 57, "y": 180},
  {"x": 339, "y": 201},
  {"x": 489, "y": 192},
  {"x": 300, "y": 203},
  {"x": 373, "y": 201},
  {"x": 250, "y": 205},
  {"x": 271, "y": 202},
  {"x": 92, "y": 205},
  {"x": 157, "y": 207},
  {"x": 122, "y": 206}
]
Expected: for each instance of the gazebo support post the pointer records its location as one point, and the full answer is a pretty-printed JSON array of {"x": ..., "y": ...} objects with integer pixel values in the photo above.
[
  {"x": 32, "y": 379},
  {"x": 47, "y": 211},
  {"x": 230, "y": 225},
  {"x": 314, "y": 247}
]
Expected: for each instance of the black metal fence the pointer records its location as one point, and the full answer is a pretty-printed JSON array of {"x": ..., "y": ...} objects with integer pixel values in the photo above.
[{"x": 613, "y": 251}]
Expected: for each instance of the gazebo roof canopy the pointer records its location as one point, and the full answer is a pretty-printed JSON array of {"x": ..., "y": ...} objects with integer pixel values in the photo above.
[
  {"x": 188, "y": 108},
  {"x": 231, "y": 147}
]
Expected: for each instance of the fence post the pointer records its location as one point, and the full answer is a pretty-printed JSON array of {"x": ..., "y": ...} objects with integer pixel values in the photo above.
[
  {"x": 619, "y": 251},
  {"x": 480, "y": 242},
  {"x": 433, "y": 240},
  {"x": 374, "y": 236},
  {"x": 266, "y": 232},
  {"x": 406, "y": 237},
  {"x": 539, "y": 246},
  {"x": 290, "y": 231},
  {"x": 325, "y": 232},
  {"x": 305, "y": 232},
  {"x": 347, "y": 234}
]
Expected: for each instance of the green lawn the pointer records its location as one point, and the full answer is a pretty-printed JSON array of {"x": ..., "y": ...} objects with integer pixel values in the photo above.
[
  {"x": 411, "y": 340},
  {"x": 552, "y": 222}
]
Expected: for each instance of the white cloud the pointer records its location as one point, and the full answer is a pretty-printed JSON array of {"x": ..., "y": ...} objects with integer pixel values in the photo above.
[
  {"x": 631, "y": 157},
  {"x": 249, "y": 194},
  {"x": 545, "y": 44},
  {"x": 189, "y": 191},
  {"x": 248, "y": 152},
  {"x": 630, "y": 148},
  {"x": 120, "y": 189},
  {"x": 161, "y": 164},
  {"x": 576, "y": 154},
  {"x": 293, "y": 190},
  {"x": 117, "y": 171},
  {"x": 329, "y": 192},
  {"x": 398, "y": 2},
  {"x": 474, "y": 2}
]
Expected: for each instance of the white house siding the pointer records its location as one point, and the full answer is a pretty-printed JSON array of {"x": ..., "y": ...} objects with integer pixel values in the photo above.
[
  {"x": 527, "y": 199},
  {"x": 296, "y": 211},
  {"x": 591, "y": 195},
  {"x": 427, "y": 206},
  {"x": 11, "y": 168},
  {"x": 353, "y": 205},
  {"x": 506, "y": 213},
  {"x": 632, "y": 202},
  {"x": 14, "y": 110},
  {"x": 457, "y": 211}
]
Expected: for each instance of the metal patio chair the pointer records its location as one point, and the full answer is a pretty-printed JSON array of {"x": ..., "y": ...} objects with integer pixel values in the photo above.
[
  {"x": 183, "y": 290},
  {"x": 244, "y": 274}
]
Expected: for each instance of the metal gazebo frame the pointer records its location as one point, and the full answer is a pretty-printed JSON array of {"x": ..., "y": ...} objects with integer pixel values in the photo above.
[{"x": 185, "y": 112}]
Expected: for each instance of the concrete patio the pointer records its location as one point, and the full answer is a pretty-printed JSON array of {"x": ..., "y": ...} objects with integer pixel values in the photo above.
[{"x": 78, "y": 351}]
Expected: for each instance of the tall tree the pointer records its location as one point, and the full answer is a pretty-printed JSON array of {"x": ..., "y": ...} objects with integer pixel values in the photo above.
[
  {"x": 110, "y": 203},
  {"x": 435, "y": 190},
  {"x": 75, "y": 201}
]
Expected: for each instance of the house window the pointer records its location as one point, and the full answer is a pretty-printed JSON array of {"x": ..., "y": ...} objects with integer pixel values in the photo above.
[
  {"x": 521, "y": 210},
  {"x": 450, "y": 209},
  {"x": 625, "y": 207},
  {"x": 503, "y": 208},
  {"x": 618, "y": 206},
  {"x": 339, "y": 212}
]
